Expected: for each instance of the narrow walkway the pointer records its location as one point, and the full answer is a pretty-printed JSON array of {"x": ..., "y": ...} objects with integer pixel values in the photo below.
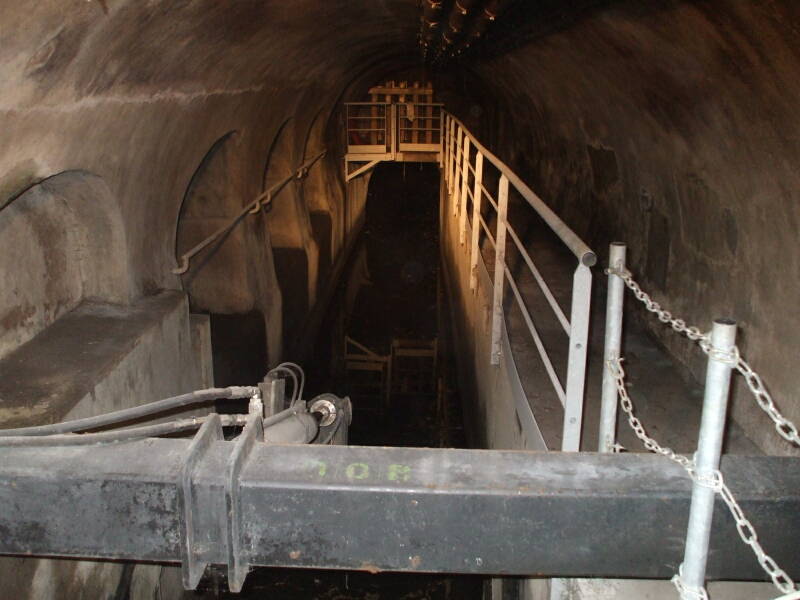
[{"x": 665, "y": 397}]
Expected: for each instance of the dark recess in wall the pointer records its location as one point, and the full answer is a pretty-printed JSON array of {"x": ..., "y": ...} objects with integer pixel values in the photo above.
[
  {"x": 239, "y": 348},
  {"x": 658, "y": 249},
  {"x": 321, "y": 228},
  {"x": 291, "y": 269}
]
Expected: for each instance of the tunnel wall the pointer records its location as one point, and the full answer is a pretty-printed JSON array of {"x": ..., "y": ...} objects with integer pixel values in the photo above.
[
  {"x": 672, "y": 127},
  {"x": 133, "y": 99}
]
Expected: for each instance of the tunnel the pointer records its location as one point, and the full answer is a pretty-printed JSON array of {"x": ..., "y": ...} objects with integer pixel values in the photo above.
[{"x": 180, "y": 209}]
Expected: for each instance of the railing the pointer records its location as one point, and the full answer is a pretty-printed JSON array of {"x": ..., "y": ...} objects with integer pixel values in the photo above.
[
  {"x": 254, "y": 207},
  {"x": 419, "y": 127},
  {"x": 463, "y": 160},
  {"x": 383, "y": 128},
  {"x": 368, "y": 127}
]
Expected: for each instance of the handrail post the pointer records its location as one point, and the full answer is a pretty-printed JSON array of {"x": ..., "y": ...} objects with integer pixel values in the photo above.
[
  {"x": 709, "y": 448},
  {"x": 576, "y": 365},
  {"x": 445, "y": 145},
  {"x": 450, "y": 156},
  {"x": 393, "y": 130},
  {"x": 442, "y": 119},
  {"x": 462, "y": 206},
  {"x": 611, "y": 351},
  {"x": 499, "y": 270},
  {"x": 457, "y": 169},
  {"x": 476, "y": 222}
]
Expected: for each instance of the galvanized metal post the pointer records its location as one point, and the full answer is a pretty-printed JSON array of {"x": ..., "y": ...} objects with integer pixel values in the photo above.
[
  {"x": 709, "y": 448},
  {"x": 499, "y": 269},
  {"x": 453, "y": 150},
  {"x": 611, "y": 352},
  {"x": 391, "y": 113},
  {"x": 476, "y": 222},
  {"x": 442, "y": 119},
  {"x": 450, "y": 133},
  {"x": 462, "y": 205},
  {"x": 576, "y": 365},
  {"x": 457, "y": 169}
]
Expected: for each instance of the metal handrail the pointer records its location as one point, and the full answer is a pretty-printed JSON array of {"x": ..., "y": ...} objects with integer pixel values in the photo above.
[
  {"x": 460, "y": 148},
  {"x": 561, "y": 229},
  {"x": 253, "y": 207}
]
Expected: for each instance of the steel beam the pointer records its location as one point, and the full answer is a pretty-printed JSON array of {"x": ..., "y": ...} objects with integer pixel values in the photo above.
[{"x": 397, "y": 509}]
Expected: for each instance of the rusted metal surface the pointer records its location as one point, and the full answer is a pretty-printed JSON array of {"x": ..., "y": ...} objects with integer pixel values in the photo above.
[{"x": 388, "y": 509}]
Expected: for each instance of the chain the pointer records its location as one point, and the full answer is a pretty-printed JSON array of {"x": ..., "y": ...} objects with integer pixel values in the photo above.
[
  {"x": 785, "y": 428},
  {"x": 618, "y": 373},
  {"x": 688, "y": 592},
  {"x": 713, "y": 480},
  {"x": 679, "y": 325}
]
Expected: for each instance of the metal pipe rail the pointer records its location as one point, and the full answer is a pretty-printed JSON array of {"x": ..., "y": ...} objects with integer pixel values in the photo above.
[
  {"x": 463, "y": 158},
  {"x": 253, "y": 207}
]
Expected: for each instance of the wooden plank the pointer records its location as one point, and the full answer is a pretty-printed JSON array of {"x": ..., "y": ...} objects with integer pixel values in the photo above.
[{"x": 398, "y": 90}]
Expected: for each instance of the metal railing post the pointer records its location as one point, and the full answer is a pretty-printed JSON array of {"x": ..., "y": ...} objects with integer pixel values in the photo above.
[
  {"x": 457, "y": 169},
  {"x": 442, "y": 119},
  {"x": 450, "y": 133},
  {"x": 576, "y": 365},
  {"x": 476, "y": 222},
  {"x": 462, "y": 205},
  {"x": 392, "y": 133},
  {"x": 709, "y": 448},
  {"x": 611, "y": 351},
  {"x": 499, "y": 269}
]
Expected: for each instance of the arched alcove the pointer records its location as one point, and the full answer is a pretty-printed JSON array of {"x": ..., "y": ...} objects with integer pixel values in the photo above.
[
  {"x": 231, "y": 279},
  {"x": 63, "y": 242},
  {"x": 294, "y": 250}
]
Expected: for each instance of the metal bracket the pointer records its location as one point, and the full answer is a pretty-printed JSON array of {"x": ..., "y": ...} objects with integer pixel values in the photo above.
[
  {"x": 273, "y": 394},
  {"x": 238, "y": 567},
  {"x": 361, "y": 170},
  {"x": 192, "y": 565}
]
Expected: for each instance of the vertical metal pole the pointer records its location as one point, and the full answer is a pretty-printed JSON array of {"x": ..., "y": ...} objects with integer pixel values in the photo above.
[
  {"x": 442, "y": 121},
  {"x": 614, "y": 303},
  {"x": 392, "y": 114},
  {"x": 499, "y": 269},
  {"x": 476, "y": 222},
  {"x": 709, "y": 448},
  {"x": 462, "y": 206},
  {"x": 576, "y": 365},
  {"x": 457, "y": 168},
  {"x": 450, "y": 156}
]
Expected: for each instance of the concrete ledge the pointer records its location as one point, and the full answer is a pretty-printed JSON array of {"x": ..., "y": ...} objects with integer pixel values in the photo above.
[
  {"x": 94, "y": 359},
  {"x": 100, "y": 357}
]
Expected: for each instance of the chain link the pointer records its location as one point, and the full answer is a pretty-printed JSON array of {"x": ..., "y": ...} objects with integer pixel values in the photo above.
[
  {"x": 688, "y": 592},
  {"x": 713, "y": 480},
  {"x": 785, "y": 428}
]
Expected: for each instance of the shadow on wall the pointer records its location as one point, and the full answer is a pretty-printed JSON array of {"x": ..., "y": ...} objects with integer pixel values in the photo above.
[
  {"x": 232, "y": 279},
  {"x": 63, "y": 243}
]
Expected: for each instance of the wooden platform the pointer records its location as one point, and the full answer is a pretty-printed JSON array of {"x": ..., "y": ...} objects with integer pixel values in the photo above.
[{"x": 401, "y": 123}]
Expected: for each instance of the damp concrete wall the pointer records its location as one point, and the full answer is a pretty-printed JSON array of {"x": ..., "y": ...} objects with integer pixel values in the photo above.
[
  {"x": 190, "y": 109},
  {"x": 131, "y": 131}
]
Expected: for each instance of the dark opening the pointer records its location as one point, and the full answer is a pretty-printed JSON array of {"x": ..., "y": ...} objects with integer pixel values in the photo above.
[{"x": 390, "y": 301}]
